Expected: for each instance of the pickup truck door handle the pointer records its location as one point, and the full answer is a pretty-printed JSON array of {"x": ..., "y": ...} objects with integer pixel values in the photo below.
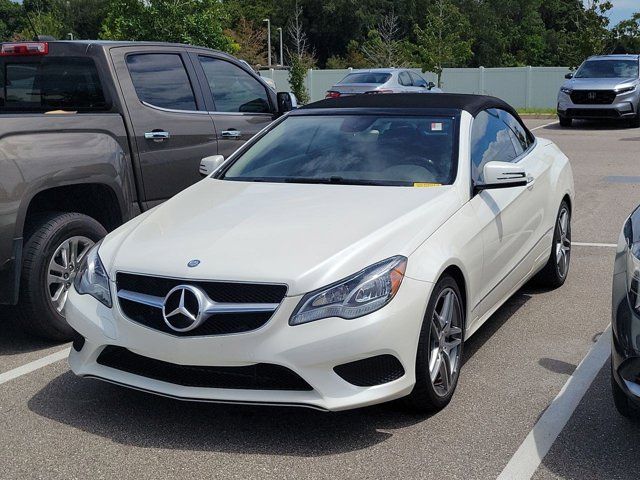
[
  {"x": 157, "y": 135},
  {"x": 231, "y": 133}
]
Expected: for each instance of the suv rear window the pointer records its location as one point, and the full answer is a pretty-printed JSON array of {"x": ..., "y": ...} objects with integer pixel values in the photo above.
[{"x": 51, "y": 83}]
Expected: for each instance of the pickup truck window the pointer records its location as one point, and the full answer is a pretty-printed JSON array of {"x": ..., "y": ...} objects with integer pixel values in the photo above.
[
  {"x": 52, "y": 83},
  {"x": 161, "y": 79},
  {"x": 233, "y": 89}
]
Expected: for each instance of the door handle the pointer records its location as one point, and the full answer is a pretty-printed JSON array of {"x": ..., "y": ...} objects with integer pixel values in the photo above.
[
  {"x": 231, "y": 133},
  {"x": 157, "y": 135}
]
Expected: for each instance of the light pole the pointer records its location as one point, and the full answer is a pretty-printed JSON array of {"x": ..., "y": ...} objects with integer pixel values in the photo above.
[
  {"x": 281, "y": 56},
  {"x": 268, "y": 40}
]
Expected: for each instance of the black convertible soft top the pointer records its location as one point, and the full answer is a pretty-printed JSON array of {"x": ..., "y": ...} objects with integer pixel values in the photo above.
[{"x": 458, "y": 101}]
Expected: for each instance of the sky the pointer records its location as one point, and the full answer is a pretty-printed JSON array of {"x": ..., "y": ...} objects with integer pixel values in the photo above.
[{"x": 623, "y": 9}]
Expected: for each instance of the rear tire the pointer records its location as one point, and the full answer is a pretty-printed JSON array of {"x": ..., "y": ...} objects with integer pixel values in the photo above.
[
  {"x": 48, "y": 233},
  {"x": 565, "y": 121},
  {"x": 555, "y": 272},
  {"x": 622, "y": 403},
  {"x": 440, "y": 346}
]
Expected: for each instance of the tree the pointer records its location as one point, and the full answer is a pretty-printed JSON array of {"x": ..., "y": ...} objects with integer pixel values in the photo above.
[
  {"x": 196, "y": 22},
  {"x": 626, "y": 35},
  {"x": 383, "y": 47},
  {"x": 250, "y": 42},
  {"x": 12, "y": 19},
  {"x": 443, "y": 40},
  {"x": 300, "y": 57}
]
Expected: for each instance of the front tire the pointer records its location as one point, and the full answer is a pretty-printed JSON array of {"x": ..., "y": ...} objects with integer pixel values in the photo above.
[
  {"x": 555, "y": 272},
  {"x": 565, "y": 121},
  {"x": 440, "y": 346},
  {"x": 55, "y": 246},
  {"x": 635, "y": 121}
]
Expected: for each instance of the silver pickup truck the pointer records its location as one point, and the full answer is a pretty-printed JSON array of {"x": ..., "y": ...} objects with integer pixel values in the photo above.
[{"x": 93, "y": 133}]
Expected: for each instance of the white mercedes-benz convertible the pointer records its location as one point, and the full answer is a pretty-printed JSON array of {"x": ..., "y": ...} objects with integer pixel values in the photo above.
[{"x": 339, "y": 259}]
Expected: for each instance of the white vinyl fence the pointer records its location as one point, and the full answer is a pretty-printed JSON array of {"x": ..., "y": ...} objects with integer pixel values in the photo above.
[{"x": 522, "y": 87}]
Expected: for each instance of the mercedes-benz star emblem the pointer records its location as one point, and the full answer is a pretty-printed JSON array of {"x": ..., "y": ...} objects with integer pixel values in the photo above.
[{"x": 183, "y": 308}]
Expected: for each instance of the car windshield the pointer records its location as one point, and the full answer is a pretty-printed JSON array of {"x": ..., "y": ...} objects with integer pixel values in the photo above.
[
  {"x": 608, "y": 69},
  {"x": 352, "y": 149},
  {"x": 366, "y": 77}
]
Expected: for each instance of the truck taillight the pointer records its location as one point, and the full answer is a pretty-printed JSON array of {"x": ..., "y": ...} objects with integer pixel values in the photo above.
[
  {"x": 332, "y": 94},
  {"x": 23, "y": 48}
]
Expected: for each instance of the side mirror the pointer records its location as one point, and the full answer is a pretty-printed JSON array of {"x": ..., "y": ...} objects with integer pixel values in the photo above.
[
  {"x": 569, "y": 75},
  {"x": 502, "y": 175},
  {"x": 208, "y": 165},
  {"x": 430, "y": 85},
  {"x": 287, "y": 101}
]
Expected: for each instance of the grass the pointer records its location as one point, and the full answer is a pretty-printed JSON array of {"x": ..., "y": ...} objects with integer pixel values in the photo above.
[{"x": 536, "y": 111}]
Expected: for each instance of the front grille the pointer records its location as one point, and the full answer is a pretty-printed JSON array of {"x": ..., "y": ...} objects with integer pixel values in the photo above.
[
  {"x": 593, "y": 97},
  {"x": 593, "y": 112},
  {"x": 371, "y": 371},
  {"x": 222, "y": 292},
  {"x": 261, "y": 376}
]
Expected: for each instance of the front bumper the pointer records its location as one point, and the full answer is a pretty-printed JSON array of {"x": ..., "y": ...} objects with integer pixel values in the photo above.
[
  {"x": 311, "y": 351},
  {"x": 625, "y": 349},
  {"x": 624, "y": 106}
]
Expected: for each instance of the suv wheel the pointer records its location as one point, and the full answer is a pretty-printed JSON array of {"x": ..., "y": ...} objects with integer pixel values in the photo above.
[
  {"x": 54, "y": 248},
  {"x": 565, "y": 121},
  {"x": 635, "y": 121}
]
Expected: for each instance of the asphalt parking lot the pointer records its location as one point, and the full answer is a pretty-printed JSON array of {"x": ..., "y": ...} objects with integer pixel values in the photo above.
[{"x": 54, "y": 425}]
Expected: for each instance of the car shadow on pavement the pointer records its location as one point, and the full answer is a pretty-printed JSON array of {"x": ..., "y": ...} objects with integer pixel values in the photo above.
[
  {"x": 581, "y": 125},
  {"x": 13, "y": 340},
  {"x": 597, "y": 442},
  {"x": 139, "y": 419}
]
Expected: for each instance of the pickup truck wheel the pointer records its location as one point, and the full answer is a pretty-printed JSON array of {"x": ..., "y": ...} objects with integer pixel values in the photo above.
[{"x": 56, "y": 244}]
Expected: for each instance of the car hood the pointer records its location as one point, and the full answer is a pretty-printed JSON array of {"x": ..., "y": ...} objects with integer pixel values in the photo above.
[
  {"x": 599, "y": 83},
  {"x": 304, "y": 235}
]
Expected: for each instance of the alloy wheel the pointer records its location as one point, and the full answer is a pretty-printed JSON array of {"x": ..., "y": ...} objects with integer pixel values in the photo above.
[
  {"x": 445, "y": 342},
  {"x": 563, "y": 242},
  {"x": 63, "y": 267}
]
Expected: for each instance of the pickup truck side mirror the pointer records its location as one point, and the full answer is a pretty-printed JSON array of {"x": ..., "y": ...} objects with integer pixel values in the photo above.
[
  {"x": 208, "y": 165},
  {"x": 569, "y": 75},
  {"x": 502, "y": 175},
  {"x": 287, "y": 101}
]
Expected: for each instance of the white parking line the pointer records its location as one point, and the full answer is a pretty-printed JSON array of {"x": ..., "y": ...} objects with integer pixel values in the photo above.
[
  {"x": 528, "y": 457},
  {"x": 586, "y": 244},
  {"x": 35, "y": 365},
  {"x": 545, "y": 125}
]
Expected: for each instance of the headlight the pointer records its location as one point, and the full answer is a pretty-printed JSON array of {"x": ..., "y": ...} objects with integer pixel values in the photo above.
[
  {"x": 358, "y": 295},
  {"x": 92, "y": 278},
  {"x": 625, "y": 89},
  {"x": 566, "y": 90}
]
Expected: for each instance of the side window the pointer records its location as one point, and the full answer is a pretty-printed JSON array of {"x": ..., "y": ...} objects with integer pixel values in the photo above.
[
  {"x": 404, "y": 79},
  {"x": 490, "y": 140},
  {"x": 417, "y": 80},
  {"x": 161, "y": 80},
  {"x": 233, "y": 89},
  {"x": 521, "y": 137}
]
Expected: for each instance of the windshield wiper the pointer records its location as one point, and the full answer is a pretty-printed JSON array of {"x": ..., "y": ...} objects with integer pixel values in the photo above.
[{"x": 334, "y": 180}]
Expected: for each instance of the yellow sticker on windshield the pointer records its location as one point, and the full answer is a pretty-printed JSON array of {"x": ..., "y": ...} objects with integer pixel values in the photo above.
[{"x": 426, "y": 184}]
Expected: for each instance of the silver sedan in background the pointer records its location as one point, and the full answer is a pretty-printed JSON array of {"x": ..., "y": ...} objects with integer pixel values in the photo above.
[{"x": 382, "y": 80}]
